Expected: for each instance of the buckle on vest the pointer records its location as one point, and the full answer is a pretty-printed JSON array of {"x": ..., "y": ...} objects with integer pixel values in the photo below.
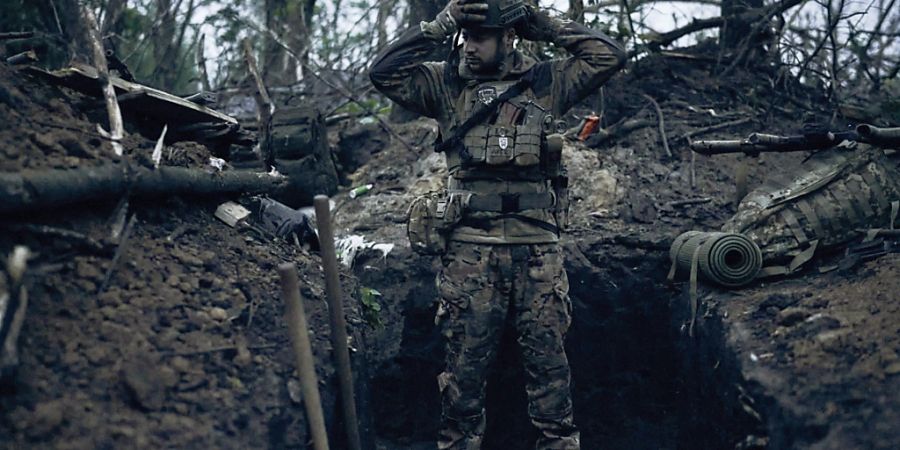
[{"x": 509, "y": 203}]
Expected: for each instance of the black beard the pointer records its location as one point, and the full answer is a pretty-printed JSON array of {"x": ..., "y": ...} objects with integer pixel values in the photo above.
[
  {"x": 496, "y": 64},
  {"x": 499, "y": 59}
]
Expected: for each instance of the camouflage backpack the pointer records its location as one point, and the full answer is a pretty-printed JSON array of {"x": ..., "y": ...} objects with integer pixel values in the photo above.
[{"x": 837, "y": 199}]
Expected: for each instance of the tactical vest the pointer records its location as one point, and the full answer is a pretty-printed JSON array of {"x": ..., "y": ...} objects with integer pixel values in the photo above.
[
  {"x": 507, "y": 184},
  {"x": 512, "y": 145}
]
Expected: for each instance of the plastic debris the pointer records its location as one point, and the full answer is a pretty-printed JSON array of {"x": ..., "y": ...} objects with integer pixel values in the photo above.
[
  {"x": 361, "y": 190},
  {"x": 231, "y": 213},
  {"x": 217, "y": 163},
  {"x": 158, "y": 149},
  {"x": 349, "y": 248},
  {"x": 590, "y": 125}
]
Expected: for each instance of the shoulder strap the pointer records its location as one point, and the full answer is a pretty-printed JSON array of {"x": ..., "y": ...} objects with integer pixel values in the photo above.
[{"x": 482, "y": 114}]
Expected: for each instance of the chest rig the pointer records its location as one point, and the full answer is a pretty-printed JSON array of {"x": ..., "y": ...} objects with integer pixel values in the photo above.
[{"x": 511, "y": 144}]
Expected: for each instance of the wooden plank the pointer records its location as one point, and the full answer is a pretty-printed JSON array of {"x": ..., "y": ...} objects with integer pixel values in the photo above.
[{"x": 161, "y": 105}]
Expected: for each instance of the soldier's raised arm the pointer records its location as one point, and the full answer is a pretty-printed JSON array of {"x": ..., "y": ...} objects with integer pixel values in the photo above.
[
  {"x": 401, "y": 71},
  {"x": 595, "y": 57}
]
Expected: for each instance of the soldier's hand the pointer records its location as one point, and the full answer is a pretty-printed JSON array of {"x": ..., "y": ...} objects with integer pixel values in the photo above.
[
  {"x": 467, "y": 12},
  {"x": 536, "y": 26}
]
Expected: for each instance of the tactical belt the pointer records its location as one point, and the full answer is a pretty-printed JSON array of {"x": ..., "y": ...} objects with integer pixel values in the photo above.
[
  {"x": 500, "y": 174},
  {"x": 511, "y": 203}
]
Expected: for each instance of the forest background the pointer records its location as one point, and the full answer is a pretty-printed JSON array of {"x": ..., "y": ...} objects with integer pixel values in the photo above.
[{"x": 318, "y": 50}]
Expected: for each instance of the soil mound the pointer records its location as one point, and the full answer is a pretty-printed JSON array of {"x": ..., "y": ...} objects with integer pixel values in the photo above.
[{"x": 172, "y": 338}]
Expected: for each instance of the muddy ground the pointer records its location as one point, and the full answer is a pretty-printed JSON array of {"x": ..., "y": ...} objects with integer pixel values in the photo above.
[{"x": 186, "y": 347}]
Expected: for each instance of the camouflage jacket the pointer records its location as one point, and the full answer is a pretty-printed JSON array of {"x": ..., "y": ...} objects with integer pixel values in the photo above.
[{"x": 442, "y": 90}]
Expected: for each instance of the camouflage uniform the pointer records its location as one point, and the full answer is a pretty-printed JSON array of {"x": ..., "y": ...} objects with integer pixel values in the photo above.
[{"x": 500, "y": 265}]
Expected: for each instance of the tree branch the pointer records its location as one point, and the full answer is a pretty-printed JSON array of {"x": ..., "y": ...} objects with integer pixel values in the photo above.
[
  {"x": 664, "y": 39},
  {"x": 116, "y": 125}
]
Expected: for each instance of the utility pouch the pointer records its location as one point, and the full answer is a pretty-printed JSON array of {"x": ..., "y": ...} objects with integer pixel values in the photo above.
[
  {"x": 431, "y": 218},
  {"x": 528, "y": 146},
  {"x": 561, "y": 191},
  {"x": 501, "y": 143},
  {"x": 475, "y": 145}
]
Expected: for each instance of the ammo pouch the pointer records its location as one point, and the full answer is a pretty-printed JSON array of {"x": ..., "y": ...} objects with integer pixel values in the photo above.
[
  {"x": 431, "y": 218},
  {"x": 518, "y": 145}
]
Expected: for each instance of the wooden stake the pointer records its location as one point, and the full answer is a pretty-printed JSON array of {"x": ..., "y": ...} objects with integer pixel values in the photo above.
[
  {"x": 338, "y": 323},
  {"x": 116, "y": 125},
  {"x": 295, "y": 316}
]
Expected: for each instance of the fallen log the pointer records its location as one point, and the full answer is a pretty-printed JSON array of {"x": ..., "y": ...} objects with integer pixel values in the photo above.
[{"x": 30, "y": 190}]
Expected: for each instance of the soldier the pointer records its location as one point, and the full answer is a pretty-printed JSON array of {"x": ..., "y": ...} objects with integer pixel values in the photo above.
[{"x": 495, "y": 108}]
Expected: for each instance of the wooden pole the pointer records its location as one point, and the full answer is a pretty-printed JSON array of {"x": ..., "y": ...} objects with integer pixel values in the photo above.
[
  {"x": 116, "y": 125},
  {"x": 295, "y": 316},
  {"x": 338, "y": 323}
]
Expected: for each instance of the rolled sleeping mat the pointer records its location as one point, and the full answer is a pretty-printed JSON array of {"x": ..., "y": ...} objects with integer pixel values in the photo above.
[{"x": 727, "y": 259}]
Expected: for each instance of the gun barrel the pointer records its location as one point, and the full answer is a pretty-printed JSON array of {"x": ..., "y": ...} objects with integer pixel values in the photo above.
[
  {"x": 772, "y": 140},
  {"x": 879, "y": 136},
  {"x": 720, "y": 147}
]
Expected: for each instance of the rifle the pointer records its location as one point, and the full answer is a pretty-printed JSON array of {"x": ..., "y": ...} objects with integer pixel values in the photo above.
[{"x": 758, "y": 143}]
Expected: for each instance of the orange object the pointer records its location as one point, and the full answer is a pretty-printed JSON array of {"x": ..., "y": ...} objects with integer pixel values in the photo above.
[{"x": 590, "y": 125}]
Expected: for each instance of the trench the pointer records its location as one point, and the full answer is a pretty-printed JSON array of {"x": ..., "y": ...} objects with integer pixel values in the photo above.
[{"x": 638, "y": 381}]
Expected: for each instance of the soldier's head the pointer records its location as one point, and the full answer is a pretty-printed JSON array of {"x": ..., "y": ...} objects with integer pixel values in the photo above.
[
  {"x": 487, "y": 44},
  {"x": 486, "y": 49}
]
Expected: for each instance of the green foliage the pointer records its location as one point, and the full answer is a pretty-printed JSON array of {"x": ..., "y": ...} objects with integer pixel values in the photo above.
[{"x": 371, "y": 307}]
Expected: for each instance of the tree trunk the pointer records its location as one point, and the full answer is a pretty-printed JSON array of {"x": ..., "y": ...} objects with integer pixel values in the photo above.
[
  {"x": 292, "y": 22},
  {"x": 277, "y": 67},
  {"x": 112, "y": 16},
  {"x": 576, "y": 10},
  {"x": 74, "y": 31},
  {"x": 384, "y": 13},
  {"x": 736, "y": 30}
]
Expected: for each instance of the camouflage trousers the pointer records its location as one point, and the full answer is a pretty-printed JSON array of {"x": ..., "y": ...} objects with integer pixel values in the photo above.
[{"x": 480, "y": 286}]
